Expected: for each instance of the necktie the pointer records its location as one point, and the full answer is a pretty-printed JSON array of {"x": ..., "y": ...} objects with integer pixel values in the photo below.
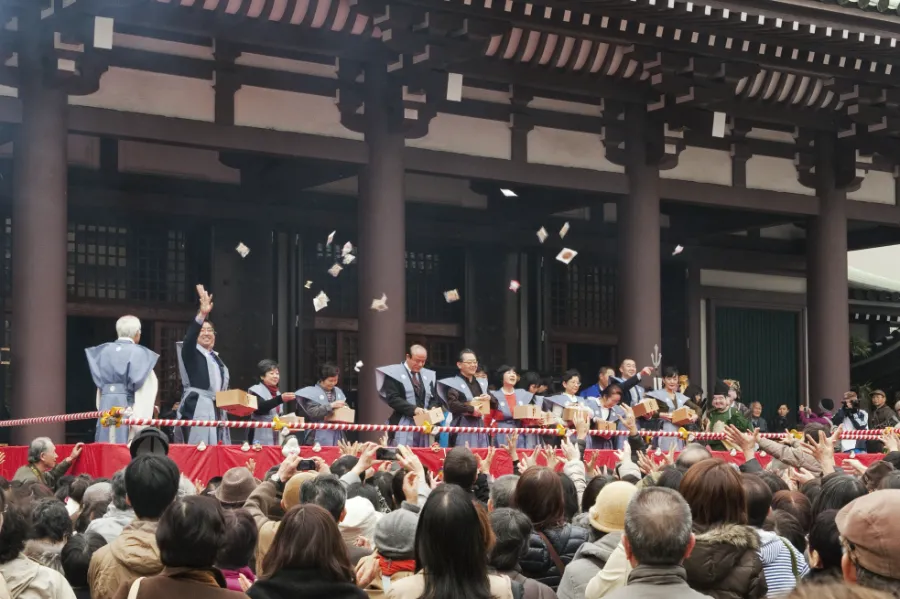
[{"x": 221, "y": 366}]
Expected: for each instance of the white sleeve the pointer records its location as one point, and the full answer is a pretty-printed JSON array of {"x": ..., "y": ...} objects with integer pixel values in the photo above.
[
  {"x": 98, "y": 399},
  {"x": 144, "y": 400}
]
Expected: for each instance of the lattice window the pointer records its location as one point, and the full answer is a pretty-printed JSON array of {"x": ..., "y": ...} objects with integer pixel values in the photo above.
[
  {"x": 442, "y": 351},
  {"x": 428, "y": 275},
  {"x": 166, "y": 334},
  {"x": 558, "y": 358},
  {"x": 121, "y": 263},
  {"x": 342, "y": 291},
  {"x": 338, "y": 347},
  {"x": 583, "y": 296},
  {"x": 349, "y": 348},
  {"x": 97, "y": 261}
]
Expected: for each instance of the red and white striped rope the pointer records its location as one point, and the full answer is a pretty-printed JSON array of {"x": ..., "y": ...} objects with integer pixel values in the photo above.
[
  {"x": 49, "y": 419},
  {"x": 872, "y": 435}
]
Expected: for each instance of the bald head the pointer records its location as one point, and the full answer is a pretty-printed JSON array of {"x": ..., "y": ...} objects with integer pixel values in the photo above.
[{"x": 415, "y": 359}]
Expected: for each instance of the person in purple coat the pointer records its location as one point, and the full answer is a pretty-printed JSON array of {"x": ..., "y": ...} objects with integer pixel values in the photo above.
[{"x": 823, "y": 415}]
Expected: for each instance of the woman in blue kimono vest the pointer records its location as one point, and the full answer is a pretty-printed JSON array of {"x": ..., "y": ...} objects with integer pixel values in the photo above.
[
  {"x": 269, "y": 402},
  {"x": 508, "y": 397},
  {"x": 319, "y": 401},
  {"x": 607, "y": 409},
  {"x": 669, "y": 399},
  {"x": 571, "y": 381}
]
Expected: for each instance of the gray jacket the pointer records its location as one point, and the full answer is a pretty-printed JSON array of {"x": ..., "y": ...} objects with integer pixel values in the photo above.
[
  {"x": 588, "y": 561},
  {"x": 656, "y": 582},
  {"x": 110, "y": 526}
]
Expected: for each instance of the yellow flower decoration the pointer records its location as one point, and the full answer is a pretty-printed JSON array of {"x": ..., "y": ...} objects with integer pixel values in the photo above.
[
  {"x": 796, "y": 434},
  {"x": 560, "y": 430},
  {"x": 685, "y": 433},
  {"x": 428, "y": 427},
  {"x": 277, "y": 423},
  {"x": 112, "y": 417}
]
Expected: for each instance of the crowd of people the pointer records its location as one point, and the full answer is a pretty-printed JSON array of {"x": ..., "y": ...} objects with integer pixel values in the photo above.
[{"x": 673, "y": 525}]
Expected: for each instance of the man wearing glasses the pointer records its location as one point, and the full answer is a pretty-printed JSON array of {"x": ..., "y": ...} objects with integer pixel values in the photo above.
[
  {"x": 458, "y": 392},
  {"x": 202, "y": 374}
]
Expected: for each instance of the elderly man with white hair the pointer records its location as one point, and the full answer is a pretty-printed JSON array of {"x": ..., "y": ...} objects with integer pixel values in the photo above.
[{"x": 123, "y": 373}]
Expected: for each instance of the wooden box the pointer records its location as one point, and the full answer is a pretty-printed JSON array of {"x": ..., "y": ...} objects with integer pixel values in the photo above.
[
  {"x": 648, "y": 406},
  {"x": 236, "y": 402},
  {"x": 603, "y": 425},
  {"x": 291, "y": 420},
  {"x": 434, "y": 416},
  {"x": 549, "y": 419},
  {"x": 570, "y": 413},
  {"x": 483, "y": 405},
  {"x": 529, "y": 412},
  {"x": 682, "y": 416},
  {"x": 344, "y": 414}
]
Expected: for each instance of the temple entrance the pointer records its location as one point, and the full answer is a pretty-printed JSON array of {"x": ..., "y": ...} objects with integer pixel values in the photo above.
[{"x": 588, "y": 359}]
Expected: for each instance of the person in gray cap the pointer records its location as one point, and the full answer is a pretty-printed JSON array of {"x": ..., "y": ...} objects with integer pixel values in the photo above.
[{"x": 870, "y": 536}]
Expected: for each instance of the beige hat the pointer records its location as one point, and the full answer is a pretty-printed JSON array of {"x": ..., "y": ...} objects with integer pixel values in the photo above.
[
  {"x": 870, "y": 524},
  {"x": 291, "y": 495},
  {"x": 608, "y": 512}
]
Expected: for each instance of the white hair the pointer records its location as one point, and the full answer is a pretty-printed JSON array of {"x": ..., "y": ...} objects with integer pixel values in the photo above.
[
  {"x": 38, "y": 446},
  {"x": 128, "y": 326}
]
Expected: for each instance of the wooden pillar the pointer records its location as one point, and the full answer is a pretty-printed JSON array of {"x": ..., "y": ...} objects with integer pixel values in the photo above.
[
  {"x": 639, "y": 251},
  {"x": 828, "y": 320},
  {"x": 382, "y": 241},
  {"x": 39, "y": 232}
]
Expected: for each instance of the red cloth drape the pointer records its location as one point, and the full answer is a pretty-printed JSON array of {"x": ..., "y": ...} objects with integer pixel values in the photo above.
[{"x": 103, "y": 459}]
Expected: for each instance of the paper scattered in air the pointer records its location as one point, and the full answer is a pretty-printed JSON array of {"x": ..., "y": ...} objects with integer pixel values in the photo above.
[
  {"x": 308, "y": 284},
  {"x": 320, "y": 301},
  {"x": 542, "y": 234},
  {"x": 335, "y": 270},
  {"x": 348, "y": 247},
  {"x": 514, "y": 285},
  {"x": 451, "y": 296},
  {"x": 566, "y": 255},
  {"x": 348, "y": 258},
  {"x": 330, "y": 238},
  {"x": 242, "y": 249},
  {"x": 358, "y": 366},
  {"x": 563, "y": 231},
  {"x": 509, "y": 193},
  {"x": 380, "y": 305},
  {"x": 678, "y": 250}
]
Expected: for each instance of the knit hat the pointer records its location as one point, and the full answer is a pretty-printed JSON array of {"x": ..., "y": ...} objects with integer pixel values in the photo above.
[
  {"x": 149, "y": 440},
  {"x": 608, "y": 511},
  {"x": 720, "y": 388},
  {"x": 395, "y": 535},
  {"x": 827, "y": 404},
  {"x": 236, "y": 486},
  {"x": 359, "y": 521},
  {"x": 291, "y": 495}
]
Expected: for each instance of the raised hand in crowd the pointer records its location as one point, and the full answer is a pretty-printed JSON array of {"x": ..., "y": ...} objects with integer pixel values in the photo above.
[
  {"x": 288, "y": 468},
  {"x": 592, "y": 465},
  {"x": 366, "y": 460},
  {"x": 570, "y": 450},
  {"x": 624, "y": 454},
  {"x": 410, "y": 462},
  {"x": 368, "y": 569},
  {"x": 244, "y": 582},
  {"x": 629, "y": 420},
  {"x": 411, "y": 488},
  {"x": 383, "y": 441},
  {"x": 346, "y": 448},
  {"x": 745, "y": 441},
  {"x": 853, "y": 467},
  {"x": 251, "y": 465},
  {"x": 646, "y": 464},
  {"x": 800, "y": 475},
  {"x": 484, "y": 464},
  {"x": 322, "y": 466},
  {"x": 788, "y": 439},
  {"x": 582, "y": 425},
  {"x": 890, "y": 439},
  {"x": 823, "y": 450},
  {"x": 512, "y": 441}
]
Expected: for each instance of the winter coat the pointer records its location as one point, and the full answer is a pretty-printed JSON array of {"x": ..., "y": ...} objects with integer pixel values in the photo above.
[
  {"x": 46, "y": 554},
  {"x": 588, "y": 561},
  {"x": 308, "y": 584},
  {"x": 26, "y": 579},
  {"x": 791, "y": 456},
  {"x": 182, "y": 582},
  {"x": 233, "y": 577},
  {"x": 132, "y": 555},
  {"x": 538, "y": 564},
  {"x": 614, "y": 575},
  {"x": 111, "y": 525},
  {"x": 412, "y": 587},
  {"x": 725, "y": 563},
  {"x": 656, "y": 582},
  {"x": 532, "y": 589},
  {"x": 883, "y": 417}
]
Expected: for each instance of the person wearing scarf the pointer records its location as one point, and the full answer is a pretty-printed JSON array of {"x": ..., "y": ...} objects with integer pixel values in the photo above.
[
  {"x": 395, "y": 538},
  {"x": 269, "y": 402},
  {"x": 721, "y": 414}
]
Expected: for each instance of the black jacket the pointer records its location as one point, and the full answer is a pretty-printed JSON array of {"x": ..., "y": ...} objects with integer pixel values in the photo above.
[
  {"x": 308, "y": 584},
  {"x": 538, "y": 564},
  {"x": 195, "y": 366}
]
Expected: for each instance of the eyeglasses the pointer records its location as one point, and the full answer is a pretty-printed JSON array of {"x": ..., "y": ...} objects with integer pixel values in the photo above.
[{"x": 469, "y": 362}]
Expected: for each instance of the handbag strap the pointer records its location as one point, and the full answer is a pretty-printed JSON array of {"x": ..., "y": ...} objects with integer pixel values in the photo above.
[
  {"x": 794, "y": 569},
  {"x": 553, "y": 554},
  {"x": 135, "y": 587}
]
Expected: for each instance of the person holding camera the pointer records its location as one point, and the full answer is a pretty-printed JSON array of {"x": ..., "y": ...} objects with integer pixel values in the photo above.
[{"x": 854, "y": 419}]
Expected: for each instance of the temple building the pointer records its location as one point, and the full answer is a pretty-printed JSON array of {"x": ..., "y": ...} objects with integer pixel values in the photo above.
[{"x": 715, "y": 160}]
